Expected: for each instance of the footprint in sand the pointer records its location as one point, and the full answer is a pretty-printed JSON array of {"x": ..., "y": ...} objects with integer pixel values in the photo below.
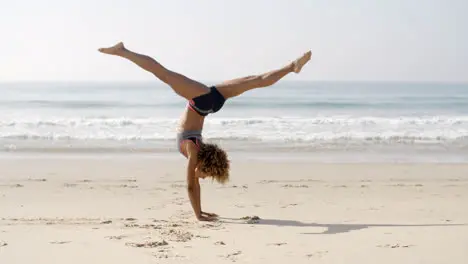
[
  {"x": 318, "y": 254},
  {"x": 130, "y": 219},
  {"x": 127, "y": 186},
  {"x": 233, "y": 256},
  {"x": 295, "y": 186},
  {"x": 215, "y": 225},
  {"x": 235, "y": 186},
  {"x": 267, "y": 181},
  {"x": 251, "y": 219},
  {"x": 340, "y": 186},
  {"x": 164, "y": 254},
  {"x": 235, "y": 253},
  {"x": 177, "y": 235},
  {"x": 37, "y": 180},
  {"x": 150, "y": 226},
  {"x": 147, "y": 244},
  {"x": 116, "y": 237},
  {"x": 397, "y": 245},
  {"x": 289, "y": 205}
]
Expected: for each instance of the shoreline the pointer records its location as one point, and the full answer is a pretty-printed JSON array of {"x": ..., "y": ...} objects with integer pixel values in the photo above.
[{"x": 332, "y": 157}]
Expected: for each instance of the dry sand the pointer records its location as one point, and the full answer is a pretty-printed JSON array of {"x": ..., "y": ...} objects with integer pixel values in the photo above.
[{"x": 129, "y": 210}]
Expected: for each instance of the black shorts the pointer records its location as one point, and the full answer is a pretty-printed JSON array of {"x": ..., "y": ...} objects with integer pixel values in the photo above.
[{"x": 208, "y": 103}]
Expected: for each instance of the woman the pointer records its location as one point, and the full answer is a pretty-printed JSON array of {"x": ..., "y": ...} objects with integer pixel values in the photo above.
[{"x": 204, "y": 159}]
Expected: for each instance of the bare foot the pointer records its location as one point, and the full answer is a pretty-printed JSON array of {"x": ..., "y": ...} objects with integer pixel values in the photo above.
[
  {"x": 114, "y": 50},
  {"x": 300, "y": 62}
]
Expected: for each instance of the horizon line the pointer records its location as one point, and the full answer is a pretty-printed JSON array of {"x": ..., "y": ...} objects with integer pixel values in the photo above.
[{"x": 211, "y": 81}]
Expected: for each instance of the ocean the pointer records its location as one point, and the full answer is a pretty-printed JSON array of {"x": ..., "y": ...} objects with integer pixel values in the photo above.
[{"x": 328, "y": 121}]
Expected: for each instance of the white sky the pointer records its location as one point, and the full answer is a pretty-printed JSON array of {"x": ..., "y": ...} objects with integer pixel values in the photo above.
[{"x": 372, "y": 40}]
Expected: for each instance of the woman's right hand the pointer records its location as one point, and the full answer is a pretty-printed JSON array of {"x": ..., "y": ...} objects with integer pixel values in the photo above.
[{"x": 209, "y": 214}]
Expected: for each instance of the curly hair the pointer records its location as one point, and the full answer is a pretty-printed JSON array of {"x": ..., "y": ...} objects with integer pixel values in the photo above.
[{"x": 214, "y": 162}]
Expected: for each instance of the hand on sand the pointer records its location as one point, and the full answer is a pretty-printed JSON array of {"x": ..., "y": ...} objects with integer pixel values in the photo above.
[
  {"x": 209, "y": 214},
  {"x": 207, "y": 218}
]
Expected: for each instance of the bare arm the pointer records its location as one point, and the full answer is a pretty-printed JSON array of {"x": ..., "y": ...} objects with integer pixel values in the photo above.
[{"x": 193, "y": 187}]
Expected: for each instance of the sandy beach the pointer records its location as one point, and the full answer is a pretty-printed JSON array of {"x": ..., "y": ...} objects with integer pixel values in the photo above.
[{"x": 135, "y": 210}]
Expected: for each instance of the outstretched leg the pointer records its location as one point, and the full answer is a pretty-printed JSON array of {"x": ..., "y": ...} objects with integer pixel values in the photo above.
[
  {"x": 236, "y": 87},
  {"x": 181, "y": 84}
]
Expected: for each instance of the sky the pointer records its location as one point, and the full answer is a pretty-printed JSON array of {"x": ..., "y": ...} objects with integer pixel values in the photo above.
[{"x": 212, "y": 40}]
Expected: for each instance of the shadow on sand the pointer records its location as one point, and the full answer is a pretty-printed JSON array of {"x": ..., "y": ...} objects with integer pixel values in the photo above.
[{"x": 330, "y": 228}]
